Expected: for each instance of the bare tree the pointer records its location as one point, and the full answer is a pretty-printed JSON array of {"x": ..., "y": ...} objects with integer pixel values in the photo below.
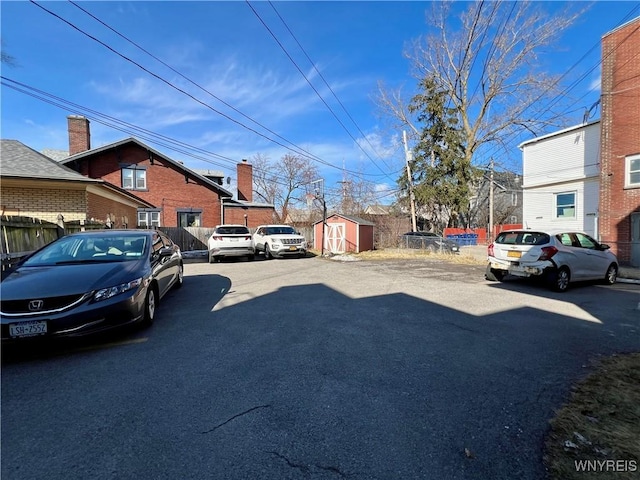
[
  {"x": 489, "y": 68},
  {"x": 282, "y": 183}
]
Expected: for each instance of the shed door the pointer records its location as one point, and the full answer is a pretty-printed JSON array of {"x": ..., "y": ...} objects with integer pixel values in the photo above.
[{"x": 335, "y": 238}]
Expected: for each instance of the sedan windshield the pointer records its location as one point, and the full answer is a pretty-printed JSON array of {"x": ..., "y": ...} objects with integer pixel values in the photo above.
[{"x": 89, "y": 249}]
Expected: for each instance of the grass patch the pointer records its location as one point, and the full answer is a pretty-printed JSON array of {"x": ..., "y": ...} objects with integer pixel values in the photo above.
[
  {"x": 599, "y": 426},
  {"x": 413, "y": 254}
]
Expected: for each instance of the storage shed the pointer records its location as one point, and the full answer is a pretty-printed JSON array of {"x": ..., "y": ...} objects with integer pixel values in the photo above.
[{"x": 343, "y": 233}]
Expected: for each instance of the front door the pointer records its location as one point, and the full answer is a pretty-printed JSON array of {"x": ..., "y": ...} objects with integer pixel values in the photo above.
[
  {"x": 635, "y": 239},
  {"x": 335, "y": 237}
]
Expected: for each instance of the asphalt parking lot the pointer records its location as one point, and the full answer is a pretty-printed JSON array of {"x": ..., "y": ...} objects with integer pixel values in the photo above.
[{"x": 316, "y": 368}]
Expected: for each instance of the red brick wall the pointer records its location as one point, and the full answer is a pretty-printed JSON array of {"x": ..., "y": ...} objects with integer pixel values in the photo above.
[
  {"x": 245, "y": 181},
  {"x": 255, "y": 215},
  {"x": 99, "y": 207},
  {"x": 166, "y": 188},
  {"x": 620, "y": 135}
]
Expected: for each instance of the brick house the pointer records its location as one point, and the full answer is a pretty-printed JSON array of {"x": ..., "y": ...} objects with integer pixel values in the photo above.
[
  {"x": 619, "y": 208},
  {"x": 33, "y": 185},
  {"x": 180, "y": 197}
]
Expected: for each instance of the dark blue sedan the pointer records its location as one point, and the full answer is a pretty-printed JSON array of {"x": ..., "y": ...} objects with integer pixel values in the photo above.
[{"x": 89, "y": 282}]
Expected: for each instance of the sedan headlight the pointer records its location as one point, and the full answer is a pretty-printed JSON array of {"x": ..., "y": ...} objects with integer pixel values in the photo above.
[{"x": 106, "y": 293}]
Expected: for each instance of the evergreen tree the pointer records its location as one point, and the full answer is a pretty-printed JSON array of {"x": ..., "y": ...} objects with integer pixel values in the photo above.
[{"x": 441, "y": 173}]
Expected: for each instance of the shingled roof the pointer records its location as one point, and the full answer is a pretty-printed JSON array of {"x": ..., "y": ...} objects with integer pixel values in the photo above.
[{"x": 19, "y": 161}]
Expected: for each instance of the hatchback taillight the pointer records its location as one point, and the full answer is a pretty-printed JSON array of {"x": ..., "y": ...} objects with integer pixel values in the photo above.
[
  {"x": 217, "y": 237},
  {"x": 490, "y": 250},
  {"x": 247, "y": 238},
  {"x": 547, "y": 253}
]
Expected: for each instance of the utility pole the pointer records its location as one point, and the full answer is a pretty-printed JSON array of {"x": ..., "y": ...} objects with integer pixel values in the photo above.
[
  {"x": 490, "y": 235},
  {"x": 318, "y": 187},
  {"x": 412, "y": 197}
]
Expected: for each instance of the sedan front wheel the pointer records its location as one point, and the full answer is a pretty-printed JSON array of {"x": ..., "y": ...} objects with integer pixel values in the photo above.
[{"x": 150, "y": 305}]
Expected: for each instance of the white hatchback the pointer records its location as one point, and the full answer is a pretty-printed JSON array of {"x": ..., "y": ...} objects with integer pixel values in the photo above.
[
  {"x": 558, "y": 257},
  {"x": 230, "y": 241}
]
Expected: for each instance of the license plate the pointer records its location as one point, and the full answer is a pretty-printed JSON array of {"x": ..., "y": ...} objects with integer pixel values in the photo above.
[
  {"x": 28, "y": 329},
  {"x": 293, "y": 249},
  {"x": 514, "y": 254},
  {"x": 233, "y": 239}
]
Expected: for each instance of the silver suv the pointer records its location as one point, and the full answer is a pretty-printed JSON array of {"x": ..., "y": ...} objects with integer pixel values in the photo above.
[
  {"x": 279, "y": 241},
  {"x": 559, "y": 257}
]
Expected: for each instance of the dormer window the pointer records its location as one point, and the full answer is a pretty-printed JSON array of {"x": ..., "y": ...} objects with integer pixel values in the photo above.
[{"x": 134, "y": 178}]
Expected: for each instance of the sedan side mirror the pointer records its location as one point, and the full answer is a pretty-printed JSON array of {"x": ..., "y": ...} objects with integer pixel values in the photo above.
[{"x": 604, "y": 246}]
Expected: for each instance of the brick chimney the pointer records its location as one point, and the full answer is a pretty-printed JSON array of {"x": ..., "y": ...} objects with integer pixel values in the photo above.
[
  {"x": 79, "y": 134},
  {"x": 245, "y": 181}
]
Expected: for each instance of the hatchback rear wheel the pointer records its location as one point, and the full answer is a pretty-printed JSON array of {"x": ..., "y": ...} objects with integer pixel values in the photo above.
[
  {"x": 612, "y": 274},
  {"x": 494, "y": 275},
  {"x": 559, "y": 279}
]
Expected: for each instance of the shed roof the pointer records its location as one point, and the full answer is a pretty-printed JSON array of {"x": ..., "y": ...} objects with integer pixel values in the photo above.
[{"x": 351, "y": 218}]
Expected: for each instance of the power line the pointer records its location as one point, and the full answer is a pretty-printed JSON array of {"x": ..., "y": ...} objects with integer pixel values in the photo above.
[
  {"x": 314, "y": 88},
  {"x": 564, "y": 92},
  {"x": 300, "y": 151},
  {"x": 183, "y": 76},
  {"x": 313, "y": 64}
]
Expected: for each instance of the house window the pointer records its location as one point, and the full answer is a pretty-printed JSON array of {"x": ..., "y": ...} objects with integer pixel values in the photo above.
[
  {"x": 134, "y": 178},
  {"x": 513, "y": 219},
  {"x": 189, "y": 218},
  {"x": 514, "y": 199},
  {"x": 148, "y": 218},
  {"x": 632, "y": 171},
  {"x": 565, "y": 205}
]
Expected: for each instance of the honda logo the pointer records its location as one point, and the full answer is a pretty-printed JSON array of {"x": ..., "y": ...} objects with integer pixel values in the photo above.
[{"x": 36, "y": 305}]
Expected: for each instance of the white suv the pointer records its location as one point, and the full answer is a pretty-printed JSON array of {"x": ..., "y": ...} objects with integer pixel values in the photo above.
[
  {"x": 279, "y": 241},
  {"x": 230, "y": 241},
  {"x": 560, "y": 257}
]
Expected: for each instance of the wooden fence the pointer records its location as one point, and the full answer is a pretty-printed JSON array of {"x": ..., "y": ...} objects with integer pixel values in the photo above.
[
  {"x": 23, "y": 235},
  {"x": 188, "y": 238},
  {"x": 195, "y": 238}
]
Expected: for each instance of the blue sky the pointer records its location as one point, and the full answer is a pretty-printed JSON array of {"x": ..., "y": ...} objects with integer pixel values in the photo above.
[{"x": 228, "y": 49}]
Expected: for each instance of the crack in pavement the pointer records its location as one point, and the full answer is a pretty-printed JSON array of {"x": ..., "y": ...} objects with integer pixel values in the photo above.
[
  {"x": 304, "y": 468},
  {"x": 234, "y": 417}
]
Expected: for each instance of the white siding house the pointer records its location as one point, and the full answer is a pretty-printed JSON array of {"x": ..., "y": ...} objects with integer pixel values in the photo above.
[{"x": 561, "y": 179}]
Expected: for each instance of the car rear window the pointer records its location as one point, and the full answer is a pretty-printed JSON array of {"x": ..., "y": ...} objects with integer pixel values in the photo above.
[
  {"x": 232, "y": 230},
  {"x": 523, "y": 238}
]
